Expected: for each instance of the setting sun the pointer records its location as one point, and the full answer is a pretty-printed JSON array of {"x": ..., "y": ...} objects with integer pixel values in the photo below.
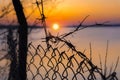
[{"x": 55, "y": 26}]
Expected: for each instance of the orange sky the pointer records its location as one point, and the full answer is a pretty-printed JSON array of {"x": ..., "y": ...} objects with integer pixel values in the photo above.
[
  {"x": 68, "y": 12},
  {"x": 99, "y": 10}
]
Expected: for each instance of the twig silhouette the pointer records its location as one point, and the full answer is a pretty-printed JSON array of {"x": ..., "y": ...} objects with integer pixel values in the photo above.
[
  {"x": 6, "y": 11},
  {"x": 105, "y": 67},
  {"x": 116, "y": 64},
  {"x": 90, "y": 52},
  {"x": 76, "y": 29}
]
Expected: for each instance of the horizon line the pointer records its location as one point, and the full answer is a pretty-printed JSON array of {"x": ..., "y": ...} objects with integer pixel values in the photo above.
[{"x": 36, "y": 26}]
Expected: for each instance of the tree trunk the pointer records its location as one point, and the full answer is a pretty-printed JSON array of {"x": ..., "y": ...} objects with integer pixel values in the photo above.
[
  {"x": 23, "y": 33},
  {"x": 12, "y": 45}
]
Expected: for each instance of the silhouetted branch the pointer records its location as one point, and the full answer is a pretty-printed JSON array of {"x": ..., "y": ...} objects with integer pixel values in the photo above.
[
  {"x": 116, "y": 64},
  {"x": 79, "y": 27},
  {"x": 100, "y": 64},
  {"x": 90, "y": 53},
  {"x": 105, "y": 67},
  {"x": 6, "y": 10}
]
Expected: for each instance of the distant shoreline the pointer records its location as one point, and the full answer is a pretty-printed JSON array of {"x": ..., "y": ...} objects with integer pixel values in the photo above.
[
  {"x": 98, "y": 25},
  {"x": 16, "y": 27},
  {"x": 74, "y": 26}
]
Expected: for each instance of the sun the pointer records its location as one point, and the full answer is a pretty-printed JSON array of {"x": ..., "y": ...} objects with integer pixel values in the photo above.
[{"x": 55, "y": 26}]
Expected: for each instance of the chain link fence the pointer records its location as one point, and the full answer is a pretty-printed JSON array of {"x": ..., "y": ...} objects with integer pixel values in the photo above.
[{"x": 62, "y": 61}]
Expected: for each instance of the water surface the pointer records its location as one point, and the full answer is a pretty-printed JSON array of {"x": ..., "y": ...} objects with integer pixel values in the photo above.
[{"x": 97, "y": 36}]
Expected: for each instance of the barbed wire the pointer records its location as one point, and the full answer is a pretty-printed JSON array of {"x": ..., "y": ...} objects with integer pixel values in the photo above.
[{"x": 59, "y": 63}]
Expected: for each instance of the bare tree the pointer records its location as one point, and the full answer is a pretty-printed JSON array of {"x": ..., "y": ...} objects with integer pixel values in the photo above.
[{"x": 23, "y": 29}]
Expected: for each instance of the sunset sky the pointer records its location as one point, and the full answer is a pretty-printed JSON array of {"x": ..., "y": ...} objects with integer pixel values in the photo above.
[
  {"x": 72, "y": 11},
  {"x": 69, "y": 12}
]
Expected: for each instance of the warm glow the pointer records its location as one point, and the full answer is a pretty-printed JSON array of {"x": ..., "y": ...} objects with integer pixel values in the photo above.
[{"x": 55, "y": 26}]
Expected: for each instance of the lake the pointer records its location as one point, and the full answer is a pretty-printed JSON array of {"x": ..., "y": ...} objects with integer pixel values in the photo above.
[{"x": 97, "y": 36}]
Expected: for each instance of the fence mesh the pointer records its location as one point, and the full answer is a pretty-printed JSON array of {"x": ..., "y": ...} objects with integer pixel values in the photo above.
[{"x": 62, "y": 61}]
